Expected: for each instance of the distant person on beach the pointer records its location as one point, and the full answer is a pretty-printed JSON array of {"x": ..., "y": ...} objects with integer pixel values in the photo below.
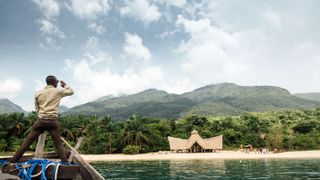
[{"x": 47, "y": 103}]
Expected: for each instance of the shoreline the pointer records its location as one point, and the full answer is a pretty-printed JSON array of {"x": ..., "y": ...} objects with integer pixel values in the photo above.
[
  {"x": 221, "y": 155},
  {"x": 228, "y": 155}
]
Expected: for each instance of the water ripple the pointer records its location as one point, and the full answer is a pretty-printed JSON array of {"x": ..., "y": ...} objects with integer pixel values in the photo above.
[{"x": 211, "y": 169}]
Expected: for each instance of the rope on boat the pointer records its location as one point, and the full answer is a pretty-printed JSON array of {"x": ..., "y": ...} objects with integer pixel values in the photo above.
[
  {"x": 3, "y": 163},
  {"x": 27, "y": 168}
]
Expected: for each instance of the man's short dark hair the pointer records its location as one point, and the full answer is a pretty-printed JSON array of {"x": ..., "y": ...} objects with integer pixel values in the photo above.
[{"x": 51, "y": 80}]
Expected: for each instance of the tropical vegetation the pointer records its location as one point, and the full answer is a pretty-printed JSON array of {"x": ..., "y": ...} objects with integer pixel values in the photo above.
[{"x": 287, "y": 130}]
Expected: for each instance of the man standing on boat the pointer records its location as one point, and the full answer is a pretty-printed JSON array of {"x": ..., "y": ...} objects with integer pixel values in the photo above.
[{"x": 46, "y": 104}]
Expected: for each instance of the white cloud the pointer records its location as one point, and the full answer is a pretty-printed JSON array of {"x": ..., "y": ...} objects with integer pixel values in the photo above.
[
  {"x": 39, "y": 84},
  {"x": 50, "y": 8},
  {"x": 49, "y": 28},
  {"x": 49, "y": 43},
  {"x": 97, "y": 28},
  {"x": 167, "y": 33},
  {"x": 88, "y": 9},
  {"x": 50, "y": 31},
  {"x": 277, "y": 48},
  {"x": 176, "y": 3},
  {"x": 92, "y": 79},
  {"x": 10, "y": 87},
  {"x": 273, "y": 18},
  {"x": 97, "y": 57},
  {"x": 141, "y": 10},
  {"x": 94, "y": 54},
  {"x": 92, "y": 83},
  {"x": 211, "y": 54},
  {"x": 134, "y": 49},
  {"x": 92, "y": 43}
]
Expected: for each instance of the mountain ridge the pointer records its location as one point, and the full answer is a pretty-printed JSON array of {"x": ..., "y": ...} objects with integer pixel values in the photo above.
[
  {"x": 7, "y": 106},
  {"x": 313, "y": 96},
  {"x": 215, "y": 99}
]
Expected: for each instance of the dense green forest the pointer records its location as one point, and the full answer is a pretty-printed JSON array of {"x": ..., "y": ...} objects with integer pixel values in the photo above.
[{"x": 287, "y": 130}]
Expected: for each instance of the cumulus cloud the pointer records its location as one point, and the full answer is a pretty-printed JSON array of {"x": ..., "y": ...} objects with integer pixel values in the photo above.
[
  {"x": 176, "y": 3},
  {"x": 141, "y": 10},
  {"x": 97, "y": 57},
  {"x": 94, "y": 54},
  {"x": 10, "y": 87},
  {"x": 273, "y": 18},
  {"x": 88, "y": 9},
  {"x": 50, "y": 8},
  {"x": 93, "y": 79},
  {"x": 92, "y": 43},
  {"x": 92, "y": 83},
  {"x": 134, "y": 49},
  {"x": 49, "y": 43},
  {"x": 211, "y": 54},
  {"x": 276, "y": 48},
  {"x": 39, "y": 84},
  {"x": 48, "y": 28},
  {"x": 97, "y": 28}
]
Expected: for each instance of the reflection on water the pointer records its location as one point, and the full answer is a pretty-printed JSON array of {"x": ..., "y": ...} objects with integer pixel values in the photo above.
[
  {"x": 197, "y": 168},
  {"x": 211, "y": 169}
]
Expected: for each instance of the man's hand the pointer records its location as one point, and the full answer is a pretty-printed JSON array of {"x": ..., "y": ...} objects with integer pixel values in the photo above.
[{"x": 62, "y": 83}]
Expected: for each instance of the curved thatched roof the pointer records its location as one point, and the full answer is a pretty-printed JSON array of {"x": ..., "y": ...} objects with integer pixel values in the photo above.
[
  {"x": 177, "y": 143},
  {"x": 184, "y": 144}
]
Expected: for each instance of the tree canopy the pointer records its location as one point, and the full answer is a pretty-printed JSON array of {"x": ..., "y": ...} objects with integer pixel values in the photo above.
[{"x": 289, "y": 130}]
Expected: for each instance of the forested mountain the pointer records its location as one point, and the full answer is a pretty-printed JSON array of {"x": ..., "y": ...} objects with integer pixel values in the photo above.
[
  {"x": 104, "y": 98},
  {"x": 7, "y": 106},
  {"x": 63, "y": 108},
  {"x": 217, "y": 99},
  {"x": 310, "y": 96},
  {"x": 229, "y": 98}
]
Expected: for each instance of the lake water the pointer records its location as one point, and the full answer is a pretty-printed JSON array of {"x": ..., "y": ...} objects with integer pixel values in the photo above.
[{"x": 211, "y": 169}]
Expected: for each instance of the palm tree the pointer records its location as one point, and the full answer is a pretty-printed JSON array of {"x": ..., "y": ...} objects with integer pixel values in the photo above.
[
  {"x": 107, "y": 127},
  {"x": 31, "y": 119},
  {"x": 135, "y": 132},
  {"x": 67, "y": 126},
  {"x": 111, "y": 139},
  {"x": 15, "y": 123}
]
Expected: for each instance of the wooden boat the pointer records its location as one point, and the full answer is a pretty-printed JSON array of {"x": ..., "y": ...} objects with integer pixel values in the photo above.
[{"x": 78, "y": 169}]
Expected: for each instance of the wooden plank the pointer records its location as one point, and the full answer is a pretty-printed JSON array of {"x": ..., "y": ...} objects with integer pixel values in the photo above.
[
  {"x": 76, "y": 147},
  {"x": 4, "y": 176},
  {"x": 86, "y": 169},
  {"x": 72, "y": 149},
  {"x": 40, "y": 146}
]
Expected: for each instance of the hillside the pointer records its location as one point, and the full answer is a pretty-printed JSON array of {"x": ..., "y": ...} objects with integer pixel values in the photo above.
[
  {"x": 218, "y": 99},
  {"x": 63, "y": 108},
  {"x": 6, "y": 106},
  {"x": 229, "y": 98},
  {"x": 309, "y": 96},
  {"x": 150, "y": 103}
]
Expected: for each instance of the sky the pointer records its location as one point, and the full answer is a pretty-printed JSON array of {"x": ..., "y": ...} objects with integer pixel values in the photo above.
[{"x": 116, "y": 47}]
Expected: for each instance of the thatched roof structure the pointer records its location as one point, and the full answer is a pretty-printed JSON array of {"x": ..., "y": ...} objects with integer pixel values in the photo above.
[{"x": 214, "y": 143}]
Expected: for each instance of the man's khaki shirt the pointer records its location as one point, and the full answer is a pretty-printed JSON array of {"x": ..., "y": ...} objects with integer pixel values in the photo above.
[{"x": 47, "y": 101}]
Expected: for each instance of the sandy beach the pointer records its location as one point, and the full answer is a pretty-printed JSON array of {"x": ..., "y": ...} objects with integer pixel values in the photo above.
[{"x": 198, "y": 156}]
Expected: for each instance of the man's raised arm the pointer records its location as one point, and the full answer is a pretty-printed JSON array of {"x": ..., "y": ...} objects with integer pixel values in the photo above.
[{"x": 66, "y": 91}]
